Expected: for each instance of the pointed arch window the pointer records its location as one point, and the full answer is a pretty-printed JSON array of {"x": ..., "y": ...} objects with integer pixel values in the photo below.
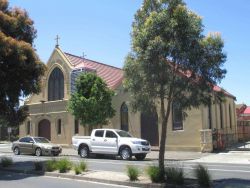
[
  {"x": 28, "y": 127},
  {"x": 124, "y": 116},
  {"x": 59, "y": 126},
  {"x": 177, "y": 116},
  {"x": 230, "y": 116},
  {"x": 221, "y": 116},
  {"x": 210, "y": 116},
  {"x": 56, "y": 85}
]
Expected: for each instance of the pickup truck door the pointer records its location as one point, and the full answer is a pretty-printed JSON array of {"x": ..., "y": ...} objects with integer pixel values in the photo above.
[
  {"x": 97, "y": 141},
  {"x": 110, "y": 142}
]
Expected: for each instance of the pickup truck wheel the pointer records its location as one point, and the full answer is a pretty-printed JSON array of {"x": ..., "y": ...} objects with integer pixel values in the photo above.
[
  {"x": 84, "y": 152},
  {"x": 125, "y": 153},
  {"x": 140, "y": 157}
]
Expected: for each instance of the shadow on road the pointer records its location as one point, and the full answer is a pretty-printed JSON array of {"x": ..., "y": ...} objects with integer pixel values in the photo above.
[
  {"x": 12, "y": 176},
  {"x": 232, "y": 183}
]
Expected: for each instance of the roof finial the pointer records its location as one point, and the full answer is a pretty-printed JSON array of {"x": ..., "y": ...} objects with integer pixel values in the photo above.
[{"x": 57, "y": 41}]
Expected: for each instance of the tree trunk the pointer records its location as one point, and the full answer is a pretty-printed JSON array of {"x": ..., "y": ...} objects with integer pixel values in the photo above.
[{"x": 164, "y": 118}]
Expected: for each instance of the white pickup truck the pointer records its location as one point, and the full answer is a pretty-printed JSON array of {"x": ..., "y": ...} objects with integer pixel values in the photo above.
[{"x": 111, "y": 141}]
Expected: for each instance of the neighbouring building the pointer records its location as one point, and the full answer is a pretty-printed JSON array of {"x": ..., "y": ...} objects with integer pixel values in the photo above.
[
  {"x": 48, "y": 116},
  {"x": 243, "y": 122}
]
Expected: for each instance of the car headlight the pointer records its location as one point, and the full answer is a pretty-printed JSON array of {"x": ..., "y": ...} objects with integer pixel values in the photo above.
[{"x": 136, "y": 142}]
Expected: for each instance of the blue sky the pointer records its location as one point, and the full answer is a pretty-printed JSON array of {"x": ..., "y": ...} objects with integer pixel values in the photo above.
[{"x": 101, "y": 29}]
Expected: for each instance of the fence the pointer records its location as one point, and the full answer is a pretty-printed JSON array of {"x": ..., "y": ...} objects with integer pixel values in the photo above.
[{"x": 223, "y": 139}]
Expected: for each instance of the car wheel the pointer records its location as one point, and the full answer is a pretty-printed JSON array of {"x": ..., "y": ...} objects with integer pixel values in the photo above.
[
  {"x": 84, "y": 152},
  {"x": 55, "y": 154},
  {"x": 16, "y": 151},
  {"x": 140, "y": 157},
  {"x": 38, "y": 152},
  {"x": 125, "y": 153}
]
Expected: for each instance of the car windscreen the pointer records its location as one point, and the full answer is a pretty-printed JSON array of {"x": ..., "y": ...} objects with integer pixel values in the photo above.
[
  {"x": 123, "y": 134},
  {"x": 41, "y": 140}
]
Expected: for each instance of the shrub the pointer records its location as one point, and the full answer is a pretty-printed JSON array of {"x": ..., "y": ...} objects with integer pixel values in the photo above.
[
  {"x": 202, "y": 175},
  {"x": 155, "y": 174},
  {"x": 6, "y": 161},
  {"x": 38, "y": 165},
  {"x": 51, "y": 165},
  {"x": 77, "y": 169},
  {"x": 133, "y": 173},
  {"x": 175, "y": 175},
  {"x": 64, "y": 165},
  {"x": 83, "y": 166}
]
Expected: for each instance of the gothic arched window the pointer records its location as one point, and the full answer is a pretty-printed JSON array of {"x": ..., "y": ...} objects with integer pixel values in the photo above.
[
  {"x": 177, "y": 116},
  {"x": 124, "y": 117},
  {"x": 56, "y": 85}
]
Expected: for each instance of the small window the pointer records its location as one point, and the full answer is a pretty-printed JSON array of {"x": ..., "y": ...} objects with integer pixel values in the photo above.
[
  {"x": 177, "y": 116},
  {"x": 209, "y": 116},
  {"x": 221, "y": 116},
  {"x": 23, "y": 139},
  {"x": 99, "y": 133},
  {"x": 28, "y": 125},
  {"x": 29, "y": 140},
  {"x": 59, "y": 126},
  {"x": 124, "y": 117},
  {"x": 110, "y": 134},
  {"x": 230, "y": 116},
  {"x": 76, "y": 126}
]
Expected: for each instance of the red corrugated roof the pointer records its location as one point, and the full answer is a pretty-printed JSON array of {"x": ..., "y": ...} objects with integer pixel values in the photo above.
[
  {"x": 247, "y": 110},
  {"x": 111, "y": 75},
  {"x": 219, "y": 89}
]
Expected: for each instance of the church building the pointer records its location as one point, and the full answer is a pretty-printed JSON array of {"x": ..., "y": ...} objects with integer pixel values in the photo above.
[{"x": 48, "y": 115}]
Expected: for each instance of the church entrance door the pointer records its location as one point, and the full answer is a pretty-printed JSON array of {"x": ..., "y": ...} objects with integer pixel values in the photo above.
[
  {"x": 44, "y": 129},
  {"x": 149, "y": 128}
]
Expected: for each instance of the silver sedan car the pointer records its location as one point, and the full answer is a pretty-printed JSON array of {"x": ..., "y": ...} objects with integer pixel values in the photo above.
[{"x": 35, "y": 145}]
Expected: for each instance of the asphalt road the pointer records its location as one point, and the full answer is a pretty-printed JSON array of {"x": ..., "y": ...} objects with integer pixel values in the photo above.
[
  {"x": 13, "y": 180},
  {"x": 217, "y": 170}
]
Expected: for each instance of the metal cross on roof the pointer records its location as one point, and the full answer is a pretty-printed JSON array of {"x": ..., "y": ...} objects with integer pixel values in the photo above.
[
  {"x": 83, "y": 55},
  {"x": 57, "y": 40}
]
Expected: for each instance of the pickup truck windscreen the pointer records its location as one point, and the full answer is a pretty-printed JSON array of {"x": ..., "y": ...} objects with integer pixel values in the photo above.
[{"x": 123, "y": 134}]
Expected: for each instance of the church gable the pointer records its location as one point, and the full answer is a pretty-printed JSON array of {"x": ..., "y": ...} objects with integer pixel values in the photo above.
[{"x": 59, "y": 65}]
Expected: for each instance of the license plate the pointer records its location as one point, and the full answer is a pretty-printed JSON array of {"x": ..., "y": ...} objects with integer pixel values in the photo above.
[{"x": 145, "y": 149}]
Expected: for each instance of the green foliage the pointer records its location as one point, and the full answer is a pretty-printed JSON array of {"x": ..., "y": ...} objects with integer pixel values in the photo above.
[
  {"x": 20, "y": 67},
  {"x": 92, "y": 101},
  {"x": 77, "y": 169},
  {"x": 154, "y": 172},
  {"x": 38, "y": 165},
  {"x": 51, "y": 165},
  {"x": 133, "y": 173},
  {"x": 6, "y": 161},
  {"x": 203, "y": 176},
  {"x": 83, "y": 166},
  {"x": 175, "y": 175},
  {"x": 64, "y": 165},
  {"x": 171, "y": 59}
]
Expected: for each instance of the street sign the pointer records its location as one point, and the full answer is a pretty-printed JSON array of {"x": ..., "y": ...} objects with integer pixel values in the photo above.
[{"x": 9, "y": 129}]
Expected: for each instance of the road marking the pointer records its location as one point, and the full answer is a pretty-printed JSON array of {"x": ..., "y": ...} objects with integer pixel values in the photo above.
[{"x": 94, "y": 182}]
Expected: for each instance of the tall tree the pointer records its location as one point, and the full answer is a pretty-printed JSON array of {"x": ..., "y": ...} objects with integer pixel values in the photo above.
[
  {"x": 20, "y": 67},
  {"x": 91, "y": 103},
  {"x": 171, "y": 61}
]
